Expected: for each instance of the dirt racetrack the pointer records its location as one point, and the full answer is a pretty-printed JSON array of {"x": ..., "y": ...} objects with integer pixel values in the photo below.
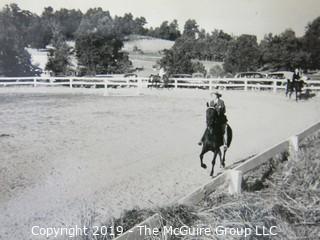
[{"x": 64, "y": 152}]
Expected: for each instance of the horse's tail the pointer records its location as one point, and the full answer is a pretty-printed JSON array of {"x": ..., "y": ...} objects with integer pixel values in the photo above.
[{"x": 229, "y": 135}]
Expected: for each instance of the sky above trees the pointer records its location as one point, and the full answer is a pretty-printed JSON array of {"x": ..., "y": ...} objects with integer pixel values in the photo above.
[{"x": 257, "y": 17}]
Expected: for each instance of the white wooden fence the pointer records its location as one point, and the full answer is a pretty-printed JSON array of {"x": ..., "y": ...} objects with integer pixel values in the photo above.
[{"x": 203, "y": 83}]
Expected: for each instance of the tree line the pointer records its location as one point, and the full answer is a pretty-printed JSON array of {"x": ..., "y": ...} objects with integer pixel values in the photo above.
[
  {"x": 284, "y": 51},
  {"x": 99, "y": 39}
]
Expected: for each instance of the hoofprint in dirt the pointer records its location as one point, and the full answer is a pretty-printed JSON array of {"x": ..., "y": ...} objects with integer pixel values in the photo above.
[{"x": 71, "y": 149}]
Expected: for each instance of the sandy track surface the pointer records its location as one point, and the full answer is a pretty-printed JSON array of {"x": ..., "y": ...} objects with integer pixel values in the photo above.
[{"x": 65, "y": 153}]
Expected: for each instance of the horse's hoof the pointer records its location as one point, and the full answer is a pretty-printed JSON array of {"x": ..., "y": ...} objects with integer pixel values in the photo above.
[{"x": 204, "y": 166}]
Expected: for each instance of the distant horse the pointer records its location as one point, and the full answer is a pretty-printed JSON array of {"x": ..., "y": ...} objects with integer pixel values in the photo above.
[
  {"x": 155, "y": 81},
  {"x": 166, "y": 81},
  {"x": 213, "y": 139},
  {"x": 295, "y": 86}
]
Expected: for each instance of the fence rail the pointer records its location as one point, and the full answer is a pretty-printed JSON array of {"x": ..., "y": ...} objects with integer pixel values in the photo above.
[{"x": 203, "y": 83}]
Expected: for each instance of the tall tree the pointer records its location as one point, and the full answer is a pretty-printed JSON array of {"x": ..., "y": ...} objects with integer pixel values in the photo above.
[
  {"x": 169, "y": 31},
  {"x": 174, "y": 32},
  {"x": 217, "y": 45},
  {"x": 69, "y": 21},
  {"x": 14, "y": 59},
  {"x": 242, "y": 55},
  {"x": 59, "y": 57},
  {"x": 176, "y": 61},
  {"x": 283, "y": 52},
  {"x": 191, "y": 28},
  {"x": 312, "y": 43},
  {"x": 101, "y": 54},
  {"x": 98, "y": 44}
]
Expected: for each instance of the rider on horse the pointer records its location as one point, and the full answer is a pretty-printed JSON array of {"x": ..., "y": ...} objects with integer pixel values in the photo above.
[
  {"x": 218, "y": 104},
  {"x": 295, "y": 85}
]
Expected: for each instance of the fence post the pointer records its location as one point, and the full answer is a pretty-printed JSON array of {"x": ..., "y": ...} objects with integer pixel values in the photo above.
[
  {"x": 105, "y": 83},
  {"x": 71, "y": 80},
  {"x": 293, "y": 145},
  {"x": 35, "y": 82},
  {"x": 139, "y": 86},
  {"x": 175, "y": 83},
  {"x": 234, "y": 181},
  {"x": 275, "y": 86},
  {"x": 245, "y": 84},
  {"x": 210, "y": 84}
]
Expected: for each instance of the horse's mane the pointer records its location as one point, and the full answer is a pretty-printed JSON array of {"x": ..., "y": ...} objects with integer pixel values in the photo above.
[{"x": 211, "y": 116}]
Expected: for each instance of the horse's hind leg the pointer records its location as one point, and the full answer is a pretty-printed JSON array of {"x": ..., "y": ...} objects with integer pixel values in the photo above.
[
  {"x": 201, "y": 158},
  {"x": 213, "y": 162},
  {"x": 221, "y": 156},
  {"x": 224, "y": 158}
]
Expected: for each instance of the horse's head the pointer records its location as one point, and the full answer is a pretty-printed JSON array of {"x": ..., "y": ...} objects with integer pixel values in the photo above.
[{"x": 211, "y": 116}]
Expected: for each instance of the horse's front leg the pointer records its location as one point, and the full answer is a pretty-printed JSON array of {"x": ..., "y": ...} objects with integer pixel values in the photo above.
[
  {"x": 221, "y": 156},
  {"x": 201, "y": 158},
  {"x": 213, "y": 162}
]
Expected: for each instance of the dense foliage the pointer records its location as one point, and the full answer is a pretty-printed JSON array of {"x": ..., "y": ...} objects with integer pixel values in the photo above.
[
  {"x": 169, "y": 31},
  {"x": 59, "y": 57},
  {"x": 311, "y": 43},
  {"x": 100, "y": 37},
  {"x": 243, "y": 53},
  {"x": 284, "y": 51},
  {"x": 195, "y": 44},
  {"x": 14, "y": 59},
  {"x": 99, "y": 43},
  {"x": 100, "y": 54}
]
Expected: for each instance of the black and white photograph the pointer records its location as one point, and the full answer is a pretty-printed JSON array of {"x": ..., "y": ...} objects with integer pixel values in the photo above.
[{"x": 159, "y": 119}]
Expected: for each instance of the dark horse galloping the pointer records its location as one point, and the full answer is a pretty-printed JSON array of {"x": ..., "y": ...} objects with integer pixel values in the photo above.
[
  {"x": 294, "y": 86},
  {"x": 155, "y": 81},
  {"x": 213, "y": 139}
]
